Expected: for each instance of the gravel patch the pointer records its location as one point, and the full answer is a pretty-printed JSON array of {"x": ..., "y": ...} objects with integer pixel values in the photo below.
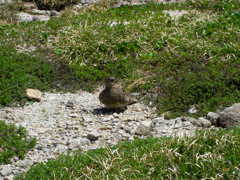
[{"x": 65, "y": 121}]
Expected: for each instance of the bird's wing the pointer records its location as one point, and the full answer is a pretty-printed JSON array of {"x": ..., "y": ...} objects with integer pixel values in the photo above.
[{"x": 121, "y": 96}]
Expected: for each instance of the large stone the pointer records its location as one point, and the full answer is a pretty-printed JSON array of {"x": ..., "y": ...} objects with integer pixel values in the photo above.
[
  {"x": 6, "y": 170},
  {"x": 24, "y": 17},
  {"x": 5, "y": 1},
  {"x": 144, "y": 128},
  {"x": 213, "y": 117},
  {"x": 34, "y": 94},
  {"x": 204, "y": 122},
  {"x": 230, "y": 117},
  {"x": 41, "y": 18}
]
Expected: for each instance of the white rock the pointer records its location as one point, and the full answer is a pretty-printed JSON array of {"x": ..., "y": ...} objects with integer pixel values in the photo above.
[
  {"x": 78, "y": 143},
  {"x": 204, "y": 122},
  {"x": 5, "y": 170},
  {"x": 42, "y": 12},
  {"x": 193, "y": 110},
  {"x": 144, "y": 128},
  {"x": 41, "y": 18},
  {"x": 24, "y": 17},
  {"x": 213, "y": 117},
  {"x": 34, "y": 94}
]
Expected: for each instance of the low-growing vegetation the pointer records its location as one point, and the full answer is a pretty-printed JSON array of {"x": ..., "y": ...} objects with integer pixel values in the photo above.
[
  {"x": 210, "y": 155},
  {"x": 178, "y": 62},
  {"x": 14, "y": 142},
  {"x": 185, "y": 61},
  {"x": 19, "y": 71}
]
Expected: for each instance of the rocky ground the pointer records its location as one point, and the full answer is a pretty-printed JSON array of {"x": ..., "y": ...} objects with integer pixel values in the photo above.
[
  {"x": 63, "y": 122},
  {"x": 30, "y": 11}
]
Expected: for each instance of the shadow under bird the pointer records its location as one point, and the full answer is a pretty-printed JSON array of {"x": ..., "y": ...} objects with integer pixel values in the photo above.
[{"x": 114, "y": 97}]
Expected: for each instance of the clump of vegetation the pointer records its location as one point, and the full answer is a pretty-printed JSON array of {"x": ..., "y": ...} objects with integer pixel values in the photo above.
[
  {"x": 13, "y": 142},
  {"x": 212, "y": 154},
  {"x": 8, "y": 12},
  {"x": 54, "y": 4},
  {"x": 189, "y": 61},
  {"x": 19, "y": 71}
]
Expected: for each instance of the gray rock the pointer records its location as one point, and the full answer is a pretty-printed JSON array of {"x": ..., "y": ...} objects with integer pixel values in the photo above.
[
  {"x": 40, "y": 12},
  {"x": 25, "y": 163},
  {"x": 24, "y": 17},
  {"x": 144, "y": 128},
  {"x": 54, "y": 13},
  {"x": 213, "y": 117},
  {"x": 6, "y": 170},
  {"x": 5, "y": 1},
  {"x": 41, "y": 18},
  {"x": 204, "y": 122},
  {"x": 194, "y": 121},
  {"x": 193, "y": 109},
  {"x": 159, "y": 121},
  {"x": 230, "y": 117},
  {"x": 93, "y": 135},
  {"x": 78, "y": 143}
]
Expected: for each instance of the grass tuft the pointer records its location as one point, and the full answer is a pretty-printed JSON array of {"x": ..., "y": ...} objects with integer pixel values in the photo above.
[
  {"x": 13, "y": 142},
  {"x": 212, "y": 154}
]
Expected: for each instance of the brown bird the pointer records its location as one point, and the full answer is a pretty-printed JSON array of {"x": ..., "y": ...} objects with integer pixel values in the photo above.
[{"x": 114, "y": 97}]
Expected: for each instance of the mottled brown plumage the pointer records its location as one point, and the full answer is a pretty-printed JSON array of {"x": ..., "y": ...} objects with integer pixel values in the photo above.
[{"x": 114, "y": 97}]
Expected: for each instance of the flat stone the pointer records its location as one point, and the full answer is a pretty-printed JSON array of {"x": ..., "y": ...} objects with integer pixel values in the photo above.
[
  {"x": 34, "y": 94},
  {"x": 144, "y": 128},
  {"x": 6, "y": 170},
  {"x": 204, "y": 122},
  {"x": 41, "y": 17},
  {"x": 193, "y": 110},
  {"x": 78, "y": 143},
  {"x": 41, "y": 12},
  {"x": 24, "y": 17},
  {"x": 230, "y": 117}
]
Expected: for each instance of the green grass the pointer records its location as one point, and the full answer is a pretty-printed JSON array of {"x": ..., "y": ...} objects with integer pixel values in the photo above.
[
  {"x": 13, "y": 142},
  {"x": 19, "y": 71},
  {"x": 212, "y": 154},
  {"x": 190, "y": 61}
]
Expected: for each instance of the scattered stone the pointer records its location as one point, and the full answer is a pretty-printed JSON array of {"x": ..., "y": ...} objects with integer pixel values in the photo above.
[
  {"x": 78, "y": 143},
  {"x": 34, "y": 94},
  {"x": 194, "y": 121},
  {"x": 213, "y": 117},
  {"x": 73, "y": 115},
  {"x": 144, "y": 128},
  {"x": 70, "y": 104},
  {"x": 204, "y": 122},
  {"x": 41, "y": 18},
  {"x": 93, "y": 135},
  {"x": 54, "y": 13},
  {"x": 175, "y": 13},
  {"x": 25, "y": 163},
  {"x": 230, "y": 117},
  {"x": 5, "y": 170},
  {"x": 24, "y": 17},
  {"x": 40, "y": 12},
  {"x": 193, "y": 109},
  {"x": 5, "y": 1}
]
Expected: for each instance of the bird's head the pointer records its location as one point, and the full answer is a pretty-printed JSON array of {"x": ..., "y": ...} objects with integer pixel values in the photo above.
[{"x": 109, "y": 82}]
